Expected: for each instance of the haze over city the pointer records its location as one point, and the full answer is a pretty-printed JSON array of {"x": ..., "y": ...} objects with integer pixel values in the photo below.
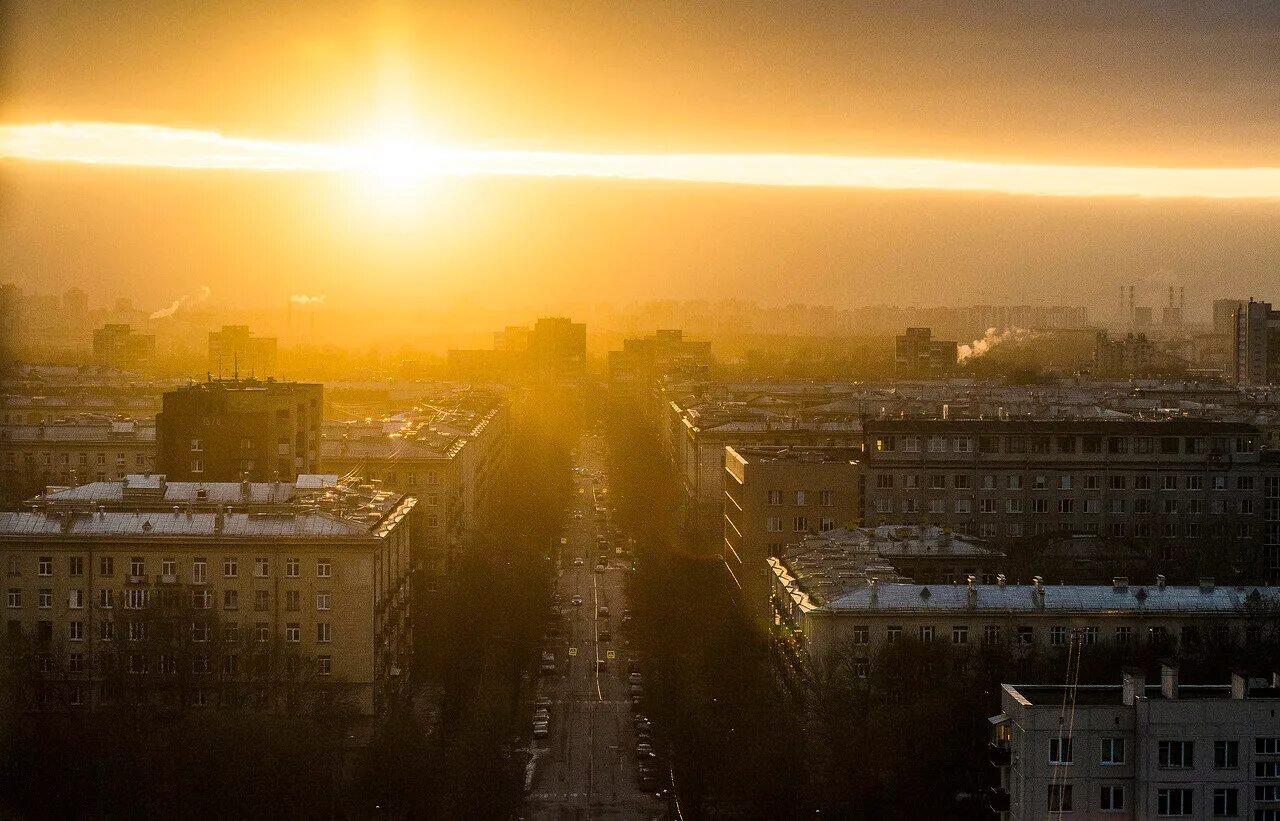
[{"x": 560, "y": 410}]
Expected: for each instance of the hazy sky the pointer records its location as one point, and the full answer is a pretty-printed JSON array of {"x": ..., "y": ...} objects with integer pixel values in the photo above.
[{"x": 1133, "y": 83}]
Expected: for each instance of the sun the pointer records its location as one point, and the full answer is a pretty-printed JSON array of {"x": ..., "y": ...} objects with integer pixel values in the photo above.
[{"x": 398, "y": 161}]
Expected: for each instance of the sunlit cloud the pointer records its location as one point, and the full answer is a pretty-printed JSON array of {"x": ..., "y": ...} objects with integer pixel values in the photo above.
[{"x": 393, "y": 161}]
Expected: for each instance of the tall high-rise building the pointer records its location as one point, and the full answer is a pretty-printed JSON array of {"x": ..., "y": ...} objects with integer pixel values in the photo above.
[
  {"x": 119, "y": 346},
  {"x": 1256, "y": 353},
  {"x": 228, "y": 430},
  {"x": 235, "y": 351},
  {"x": 918, "y": 354}
]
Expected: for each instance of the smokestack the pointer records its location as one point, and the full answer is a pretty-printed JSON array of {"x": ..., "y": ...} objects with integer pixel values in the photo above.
[
  {"x": 1168, "y": 680},
  {"x": 1134, "y": 686}
]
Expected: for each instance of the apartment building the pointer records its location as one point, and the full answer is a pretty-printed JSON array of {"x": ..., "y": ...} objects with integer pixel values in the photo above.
[
  {"x": 119, "y": 346},
  {"x": 773, "y": 495},
  {"x": 73, "y": 452},
  {"x": 175, "y": 595},
  {"x": 918, "y": 354},
  {"x": 235, "y": 350},
  {"x": 226, "y": 430},
  {"x": 451, "y": 456},
  {"x": 875, "y": 613},
  {"x": 1138, "y": 750},
  {"x": 1170, "y": 486}
]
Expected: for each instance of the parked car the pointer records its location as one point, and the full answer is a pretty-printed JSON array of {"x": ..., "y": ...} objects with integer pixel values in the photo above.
[
  {"x": 635, "y": 678},
  {"x": 578, "y": 562},
  {"x": 644, "y": 748},
  {"x": 576, "y": 600},
  {"x": 603, "y": 612},
  {"x": 543, "y": 701}
]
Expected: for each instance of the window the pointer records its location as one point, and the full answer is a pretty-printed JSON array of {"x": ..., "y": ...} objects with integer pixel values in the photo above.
[
  {"x": 1040, "y": 444},
  {"x": 261, "y": 631},
  {"x": 860, "y": 634},
  {"x": 45, "y": 599},
  {"x": 1060, "y": 798},
  {"x": 800, "y": 498},
  {"x": 962, "y": 444},
  {"x": 197, "y": 466},
  {"x": 961, "y": 482},
  {"x": 991, "y": 634},
  {"x": 1057, "y": 636},
  {"x": 1266, "y": 792},
  {"x": 1059, "y": 750},
  {"x": 774, "y": 523},
  {"x": 884, "y": 481},
  {"x": 1039, "y": 505},
  {"x": 230, "y": 633},
  {"x": 1013, "y": 506},
  {"x": 1174, "y": 802},
  {"x": 1266, "y": 769},
  {"x": 1112, "y": 797},
  {"x": 986, "y": 505},
  {"x": 45, "y": 566},
  {"x": 1112, "y": 752},
  {"x": 1066, "y": 506},
  {"x": 137, "y": 567},
  {"x": 893, "y": 634},
  {"x": 963, "y": 506},
  {"x": 324, "y": 665},
  {"x": 261, "y": 567},
  {"x": 960, "y": 635},
  {"x": 911, "y": 481},
  {"x": 199, "y": 631},
  {"x": 800, "y": 524},
  {"x": 1015, "y": 482},
  {"x": 1226, "y": 755},
  {"x": 324, "y": 569},
  {"x": 230, "y": 599},
  {"x": 1124, "y": 636},
  {"x": 826, "y": 524},
  {"x": 1039, "y": 483},
  {"x": 775, "y": 496},
  {"x": 292, "y": 600},
  {"x": 75, "y": 663},
  {"x": 1226, "y": 802},
  {"x": 1266, "y": 746},
  {"x": 231, "y": 665},
  {"x": 106, "y": 630},
  {"x": 937, "y": 506},
  {"x": 937, "y": 444},
  {"x": 202, "y": 599},
  {"x": 75, "y": 600},
  {"x": 324, "y": 632},
  {"x": 75, "y": 631},
  {"x": 230, "y": 567},
  {"x": 1064, "y": 482},
  {"x": 1195, "y": 483},
  {"x": 199, "y": 571},
  {"x": 137, "y": 631},
  {"x": 885, "y": 444},
  {"x": 15, "y": 597},
  {"x": 1142, "y": 482},
  {"x": 824, "y": 499},
  {"x": 75, "y": 565},
  {"x": 926, "y": 633},
  {"x": 261, "y": 600},
  {"x": 293, "y": 632},
  {"x": 1175, "y": 754},
  {"x": 1026, "y": 634},
  {"x": 196, "y": 446},
  {"x": 937, "y": 481}
]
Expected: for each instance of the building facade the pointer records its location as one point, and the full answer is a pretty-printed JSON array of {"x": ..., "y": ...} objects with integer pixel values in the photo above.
[
  {"x": 280, "y": 598},
  {"x": 236, "y": 351},
  {"x": 1138, "y": 750},
  {"x": 780, "y": 494},
  {"x": 1257, "y": 344},
  {"x": 229, "y": 430},
  {"x": 71, "y": 453},
  {"x": 119, "y": 346},
  {"x": 1170, "y": 487}
]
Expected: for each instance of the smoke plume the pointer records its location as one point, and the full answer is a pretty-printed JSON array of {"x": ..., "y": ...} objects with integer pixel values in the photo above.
[
  {"x": 184, "y": 301},
  {"x": 989, "y": 340}
]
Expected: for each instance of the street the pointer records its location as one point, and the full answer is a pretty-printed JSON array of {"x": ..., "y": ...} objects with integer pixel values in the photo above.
[{"x": 586, "y": 767}]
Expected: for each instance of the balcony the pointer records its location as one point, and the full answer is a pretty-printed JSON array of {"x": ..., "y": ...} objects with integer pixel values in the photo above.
[
  {"x": 998, "y": 799},
  {"x": 999, "y": 754}
]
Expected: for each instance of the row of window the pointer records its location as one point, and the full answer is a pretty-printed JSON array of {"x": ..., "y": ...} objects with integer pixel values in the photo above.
[
  {"x": 1171, "y": 802},
  {"x": 138, "y": 598},
  {"x": 1066, "y": 481},
  {"x": 1123, "y": 635},
  {"x": 82, "y": 459},
  {"x": 801, "y": 498},
  {"x": 1068, "y": 506},
  {"x": 1141, "y": 530},
  {"x": 200, "y": 664},
  {"x": 1177, "y": 754},
  {"x": 1069, "y": 443},
  {"x": 141, "y": 630},
  {"x": 169, "y": 567},
  {"x": 799, "y": 524}
]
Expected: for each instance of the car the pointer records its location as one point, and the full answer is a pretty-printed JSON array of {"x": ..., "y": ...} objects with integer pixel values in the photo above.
[
  {"x": 543, "y": 701},
  {"x": 635, "y": 678},
  {"x": 540, "y": 731},
  {"x": 599, "y": 568},
  {"x": 644, "y": 748},
  {"x": 578, "y": 562},
  {"x": 547, "y": 669},
  {"x": 541, "y": 714},
  {"x": 605, "y": 635},
  {"x": 603, "y": 612},
  {"x": 636, "y": 689},
  {"x": 577, "y": 514},
  {"x": 575, "y": 601}
]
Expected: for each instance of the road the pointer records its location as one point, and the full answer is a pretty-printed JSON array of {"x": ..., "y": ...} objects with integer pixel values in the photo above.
[{"x": 586, "y": 767}]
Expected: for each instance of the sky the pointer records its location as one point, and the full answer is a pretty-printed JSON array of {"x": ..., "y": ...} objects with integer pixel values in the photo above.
[{"x": 1168, "y": 84}]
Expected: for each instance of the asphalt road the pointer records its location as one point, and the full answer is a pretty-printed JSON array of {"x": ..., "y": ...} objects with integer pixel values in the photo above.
[{"x": 586, "y": 767}]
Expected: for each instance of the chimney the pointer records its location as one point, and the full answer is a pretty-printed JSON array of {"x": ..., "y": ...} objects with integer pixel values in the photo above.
[
  {"x": 1239, "y": 685},
  {"x": 1037, "y": 594},
  {"x": 1000, "y": 580},
  {"x": 1120, "y": 583},
  {"x": 1168, "y": 680},
  {"x": 219, "y": 521},
  {"x": 874, "y": 586},
  {"x": 973, "y": 591},
  {"x": 1160, "y": 581},
  {"x": 1134, "y": 685},
  {"x": 1206, "y": 584}
]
